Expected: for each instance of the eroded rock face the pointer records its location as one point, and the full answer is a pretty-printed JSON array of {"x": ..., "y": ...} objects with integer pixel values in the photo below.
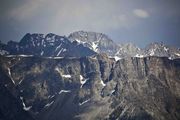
[
  {"x": 95, "y": 87},
  {"x": 147, "y": 88}
]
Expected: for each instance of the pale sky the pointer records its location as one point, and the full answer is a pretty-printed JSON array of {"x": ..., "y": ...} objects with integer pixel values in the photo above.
[{"x": 138, "y": 21}]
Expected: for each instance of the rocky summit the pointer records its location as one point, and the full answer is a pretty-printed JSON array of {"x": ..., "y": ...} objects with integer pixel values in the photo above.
[{"x": 84, "y": 83}]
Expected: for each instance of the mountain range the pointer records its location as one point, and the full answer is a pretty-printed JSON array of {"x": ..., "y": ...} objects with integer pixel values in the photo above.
[
  {"x": 87, "y": 76},
  {"x": 82, "y": 43}
]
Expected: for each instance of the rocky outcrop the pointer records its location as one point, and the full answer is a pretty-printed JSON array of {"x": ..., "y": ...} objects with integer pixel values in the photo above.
[{"x": 95, "y": 87}]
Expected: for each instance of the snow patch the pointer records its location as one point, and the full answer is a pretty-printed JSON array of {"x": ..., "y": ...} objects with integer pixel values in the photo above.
[
  {"x": 166, "y": 49},
  {"x": 19, "y": 56},
  {"x": 57, "y": 69},
  {"x": 170, "y": 58},
  {"x": 11, "y": 56},
  {"x": 103, "y": 84},
  {"x": 177, "y": 54},
  {"x": 66, "y": 76},
  {"x": 81, "y": 77},
  {"x": 64, "y": 91},
  {"x": 94, "y": 46},
  {"x": 51, "y": 96},
  {"x": 42, "y": 52},
  {"x": 82, "y": 81},
  {"x": 117, "y": 58},
  {"x": 64, "y": 50},
  {"x": 139, "y": 56},
  {"x": 151, "y": 52},
  {"x": 20, "y": 81},
  {"x": 84, "y": 102},
  {"x": 25, "y": 55},
  {"x": 58, "y": 57},
  {"x": 61, "y": 39},
  {"x": 24, "y": 105},
  {"x": 79, "y": 41},
  {"x": 58, "y": 47},
  {"x": 54, "y": 57},
  {"x": 49, "y": 57},
  {"x": 59, "y": 52},
  {"x": 112, "y": 92},
  {"x": 9, "y": 72},
  {"x": 49, "y": 104},
  {"x": 93, "y": 57}
]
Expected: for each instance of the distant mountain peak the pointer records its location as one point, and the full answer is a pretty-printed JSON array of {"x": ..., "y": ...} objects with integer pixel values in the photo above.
[
  {"x": 98, "y": 42},
  {"x": 49, "y": 45},
  {"x": 77, "y": 42},
  {"x": 89, "y": 36}
]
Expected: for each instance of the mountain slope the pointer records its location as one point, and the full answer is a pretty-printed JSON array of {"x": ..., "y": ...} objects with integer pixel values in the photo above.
[
  {"x": 50, "y": 77},
  {"x": 97, "y": 87}
]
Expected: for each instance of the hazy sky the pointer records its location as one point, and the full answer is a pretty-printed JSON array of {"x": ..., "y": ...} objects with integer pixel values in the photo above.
[{"x": 137, "y": 21}]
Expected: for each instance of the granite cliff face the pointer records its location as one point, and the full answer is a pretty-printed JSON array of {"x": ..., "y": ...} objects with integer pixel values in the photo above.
[{"x": 95, "y": 87}]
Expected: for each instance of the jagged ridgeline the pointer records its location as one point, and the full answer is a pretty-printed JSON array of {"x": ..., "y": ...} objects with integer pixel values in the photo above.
[
  {"x": 50, "y": 77},
  {"x": 80, "y": 44}
]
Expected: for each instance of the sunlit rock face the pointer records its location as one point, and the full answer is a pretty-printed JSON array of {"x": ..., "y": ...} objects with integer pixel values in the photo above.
[{"x": 95, "y": 87}]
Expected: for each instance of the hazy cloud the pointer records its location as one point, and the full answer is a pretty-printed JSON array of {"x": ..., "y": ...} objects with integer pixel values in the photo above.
[
  {"x": 116, "y": 18},
  {"x": 141, "y": 13},
  {"x": 26, "y": 10}
]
